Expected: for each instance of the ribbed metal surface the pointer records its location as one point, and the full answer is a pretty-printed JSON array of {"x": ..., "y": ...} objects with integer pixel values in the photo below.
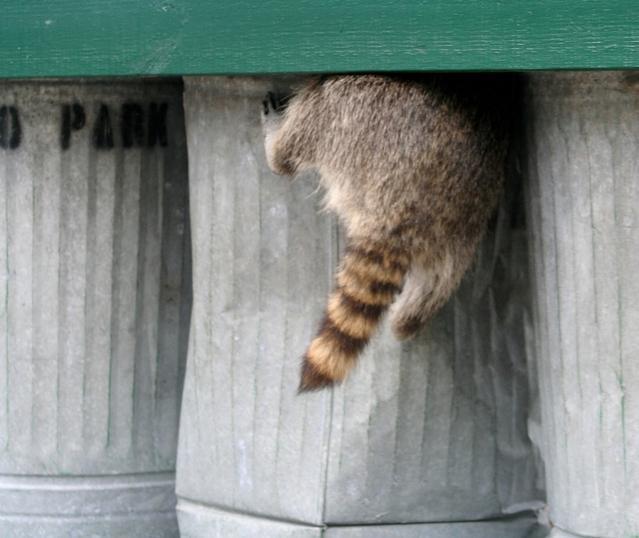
[
  {"x": 94, "y": 289},
  {"x": 197, "y": 520},
  {"x": 127, "y": 506},
  {"x": 429, "y": 431},
  {"x": 262, "y": 262},
  {"x": 435, "y": 429},
  {"x": 525, "y": 527},
  {"x": 558, "y": 533},
  {"x": 584, "y": 196}
]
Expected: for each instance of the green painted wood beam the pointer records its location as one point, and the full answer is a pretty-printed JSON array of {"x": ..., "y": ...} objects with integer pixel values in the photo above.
[{"x": 175, "y": 37}]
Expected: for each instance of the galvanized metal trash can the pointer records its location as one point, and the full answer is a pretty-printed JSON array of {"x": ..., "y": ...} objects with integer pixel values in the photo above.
[
  {"x": 95, "y": 302},
  {"x": 430, "y": 431},
  {"x": 583, "y": 142}
]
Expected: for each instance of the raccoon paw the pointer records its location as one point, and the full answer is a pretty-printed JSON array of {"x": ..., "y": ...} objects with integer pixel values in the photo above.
[
  {"x": 273, "y": 105},
  {"x": 269, "y": 105},
  {"x": 270, "y": 114}
]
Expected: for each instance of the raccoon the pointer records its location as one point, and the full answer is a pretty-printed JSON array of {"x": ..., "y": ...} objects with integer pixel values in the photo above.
[{"x": 413, "y": 167}]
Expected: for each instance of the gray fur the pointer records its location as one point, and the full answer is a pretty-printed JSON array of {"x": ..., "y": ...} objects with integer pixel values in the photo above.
[{"x": 414, "y": 163}]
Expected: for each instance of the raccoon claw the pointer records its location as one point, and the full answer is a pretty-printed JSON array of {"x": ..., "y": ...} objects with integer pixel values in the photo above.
[
  {"x": 265, "y": 108},
  {"x": 276, "y": 104},
  {"x": 269, "y": 105},
  {"x": 273, "y": 104},
  {"x": 270, "y": 114}
]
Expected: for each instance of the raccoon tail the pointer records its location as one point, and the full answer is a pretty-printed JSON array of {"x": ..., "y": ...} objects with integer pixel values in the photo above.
[{"x": 370, "y": 276}]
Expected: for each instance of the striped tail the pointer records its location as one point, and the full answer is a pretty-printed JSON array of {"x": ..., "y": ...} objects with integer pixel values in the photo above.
[{"x": 369, "y": 278}]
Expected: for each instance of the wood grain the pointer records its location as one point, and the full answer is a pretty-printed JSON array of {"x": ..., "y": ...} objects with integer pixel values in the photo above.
[{"x": 179, "y": 37}]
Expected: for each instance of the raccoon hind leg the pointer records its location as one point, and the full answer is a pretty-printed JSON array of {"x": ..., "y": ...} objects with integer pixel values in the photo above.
[
  {"x": 406, "y": 312},
  {"x": 429, "y": 284},
  {"x": 288, "y": 126},
  {"x": 272, "y": 117}
]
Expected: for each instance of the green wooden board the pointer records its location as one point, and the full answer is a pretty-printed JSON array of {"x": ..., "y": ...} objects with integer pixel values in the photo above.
[{"x": 175, "y": 37}]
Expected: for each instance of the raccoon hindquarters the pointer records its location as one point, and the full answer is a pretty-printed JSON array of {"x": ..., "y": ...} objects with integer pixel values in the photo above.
[{"x": 369, "y": 278}]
